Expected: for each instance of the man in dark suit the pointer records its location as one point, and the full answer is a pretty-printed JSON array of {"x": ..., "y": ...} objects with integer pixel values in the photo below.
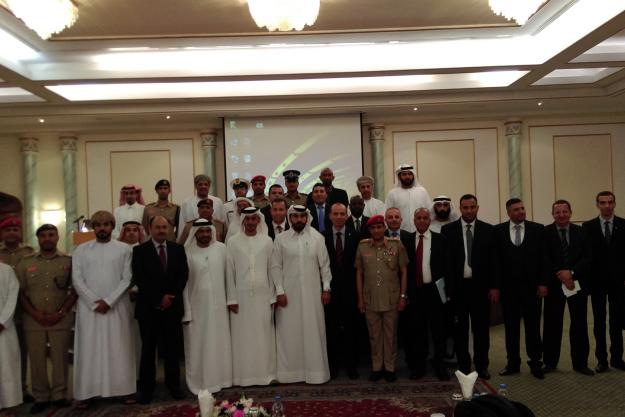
[
  {"x": 519, "y": 245},
  {"x": 275, "y": 191},
  {"x": 567, "y": 259},
  {"x": 426, "y": 256},
  {"x": 343, "y": 322},
  {"x": 606, "y": 235},
  {"x": 278, "y": 221},
  {"x": 393, "y": 220},
  {"x": 335, "y": 195},
  {"x": 356, "y": 220},
  {"x": 319, "y": 208},
  {"x": 159, "y": 269},
  {"x": 470, "y": 283}
]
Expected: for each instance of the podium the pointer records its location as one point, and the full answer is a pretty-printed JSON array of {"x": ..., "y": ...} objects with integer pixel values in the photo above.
[{"x": 79, "y": 238}]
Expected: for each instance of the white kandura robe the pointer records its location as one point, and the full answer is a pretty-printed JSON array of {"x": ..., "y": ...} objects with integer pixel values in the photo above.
[
  {"x": 407, "y": 200},
  {"x": 249, "y": 285},
  {"x": 299, "y": 265},
  {"x": 10, "y": 375},
  {"x": 188, "y": 211},
  {"x": 125, "y": 214},
  {"x": 208, "y": 354},
  {"x": 373, "y": 206},
  {"x": 104, "y": 355}
]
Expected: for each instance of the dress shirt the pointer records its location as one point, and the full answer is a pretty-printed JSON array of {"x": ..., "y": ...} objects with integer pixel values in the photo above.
[
  {"x": 354, "y": 219},
  {"x": 427, "y": 249},
  {"x": 275, "y": 226},
  {"x": 568, "y": 236},
  {"x": 157, "y": 246},
  {"x": 334, "y": 232},
  {"x": 395, "y": 233},
  {"x": 513, "y": 232},
  {"x": 467, "y": 271},
  {"x": 611, "y": 226}
]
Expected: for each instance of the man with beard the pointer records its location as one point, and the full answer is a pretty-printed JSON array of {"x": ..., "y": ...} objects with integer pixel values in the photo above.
[
  {"x": 205, "y": 211},
  {"x": 258, "y": 188},
  {"x": 104, "y": 361},
  {"x": 131, "y": 207},
  {"x": 300, "y": 270},
  {"x": 240, "y": 187},
  {"x": 275, "y": 191},
  {"x": 240, "y": 204},
  {"x": 408, "y": 196},
  {"x": 189, "y": 209},
  {"x": 357, "y": 221},
  {"x": 278, "y": 222},
  {"x": 373, "y": 206},
  {"x": 47, "y": 299},
  {"x": 162, "y": 207},
  {"x": 291, "y": 181},
  {"x": 443, "y": 212},
  {"x": 251, "y": 295},
  {"x": 335, "y": 195}
]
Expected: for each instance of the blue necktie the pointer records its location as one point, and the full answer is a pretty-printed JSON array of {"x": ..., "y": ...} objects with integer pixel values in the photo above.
[{"x": 320, "y": 217}]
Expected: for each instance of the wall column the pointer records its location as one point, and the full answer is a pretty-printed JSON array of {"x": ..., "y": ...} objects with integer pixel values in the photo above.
[
  {"x": 376, "y": 139},
  {"x": 30, "y": 152},
  {"x": 513, "y": 139},
  {"x": 209, "y": 148},
  {"x": 68, "y": 151}
]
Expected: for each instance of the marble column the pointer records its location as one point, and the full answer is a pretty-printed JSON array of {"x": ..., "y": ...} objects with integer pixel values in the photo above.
[
  {"x": 376, "y": 138},
  {"x": 68, "y": 151},
  {"x": 209, "y": 148},
  {"x": 30, "y": 152},
  {"x": 514, "y": 135}
]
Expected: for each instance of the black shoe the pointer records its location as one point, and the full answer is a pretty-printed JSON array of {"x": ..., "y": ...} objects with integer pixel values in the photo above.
[
  {"x": 375, "y": 376},
  {"x": 352, "y": 374},
  {"x": 538, "y": 373},
  {"x": 177, "y": 394},
  {"x": 601, "y": 368},
  {"x": 390, "y": 376},
  {"x": 618, "y": 365},
  {"x": 584, "y": 370},
  {"x": 27, "y": 398},
  {"x": 62, "y": 403},
  {"x": 508, "y": 370},
  {"x": 483, "y": 373},
  {"x": 38, "y": 407},
  {"x": 143, "y": 398},
  {"x": 548, "y": 369}
]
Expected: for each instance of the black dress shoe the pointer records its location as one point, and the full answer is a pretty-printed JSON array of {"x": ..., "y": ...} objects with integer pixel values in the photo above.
[
  {"x": 390, "y": 376},
  {"x": 62, "y": 403},
  {"x": 618, "y": 365},
  {"x": 538, "y": 373},
  {"x": 584, "y": 370},
  {"x": 548, "y": 369},
  {"x": 143, "y": 398},
  {"x": 27, "y": 398},
  {"x": 375, "y": 376},
  {"x": 38, "y": 407},
  {"x": 352, "y": 374},
  {"x": 483, "y": 373},
  {"x": 509, "y": 371},
  {"x": 601, "y": 368}
]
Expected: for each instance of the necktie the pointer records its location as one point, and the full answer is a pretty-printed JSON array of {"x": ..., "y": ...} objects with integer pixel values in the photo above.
[
  {"x": 517, "y": 235},
  {"x": 279, "y": 229},
  {"x": 163, "y": 255},
  {"x": 339, "y": 247},
  {"x": 565, "y": 246},
  {"x": 419, "y": 263},
  {"x": 321, "y": 218},
  {"x": 469, "y": 237},
  {"x": 357, "y": 224},
  {"x": 608, "y": 234}
]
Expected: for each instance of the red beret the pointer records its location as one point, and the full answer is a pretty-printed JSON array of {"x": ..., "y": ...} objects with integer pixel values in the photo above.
[
  {"x": 377, "y": 219},
  {"x": 259, "y": 178},
  {"x": 11, "y": 222}
]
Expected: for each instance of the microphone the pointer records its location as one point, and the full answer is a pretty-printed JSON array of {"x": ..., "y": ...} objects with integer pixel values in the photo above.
[{"x": 78, "y": 219}]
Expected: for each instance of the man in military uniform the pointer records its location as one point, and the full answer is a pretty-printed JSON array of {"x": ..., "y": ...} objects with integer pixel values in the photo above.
[
  {"x": 11, "y": 253},
  {"x": 381, "y": 282},
  {"x": 291, "y": 181},
  {"x": 47, "y": 298},
  {"x": 239, "y": 186},
  {"x": 205, "y": 210},
  {"x": 258, "y": 187},
  {"x": 162, "y": 207}
]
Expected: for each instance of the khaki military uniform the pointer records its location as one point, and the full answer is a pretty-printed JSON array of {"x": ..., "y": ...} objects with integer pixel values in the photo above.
[
  {"x": 261, "y": 202},
  {"x": 299, "y": 199},
  {"x": 171, "y": 212},
  {"x": 47, "y": 284},
  {"x": 380, "y": 267},
  {"x": 13, "y": 257},
  {"x": 220, "y": 228}
]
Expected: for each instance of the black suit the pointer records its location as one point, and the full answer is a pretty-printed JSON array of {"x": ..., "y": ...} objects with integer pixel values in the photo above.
[
  {"x": 520, "y": 272},
  {"x": 267, "y": 213},
  {"x": 343, "y": 321},
  {"x": 469, "y": 296},
  {"x": 364, "y": 230},
  {"x": 577, "y": 260},
  {"x": 606, "y": 276},
  {"x": 315, "y": 219},
  {"x": 162, "y": 328},
  {"x": 425, "y": 308},
  {"x": 336, "y": 195},
  {"x": 271, "y": 232}
]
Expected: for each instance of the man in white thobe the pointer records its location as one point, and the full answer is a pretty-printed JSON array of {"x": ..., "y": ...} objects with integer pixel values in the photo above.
[
  {"x": 104, "y": 360},
  {"x": 300, "y": 269},
  {"x": 240, "y": 187},
  {"x": 131, "y": 207},
  {"x": 207, "y": 346},
  {"x": 10, "y": 375},
  {"x": 408, "y": 196},
  {"x": 251, "y": 295},
  {"x": 373, "y": 206},
  {"x": 235, "y": 218},
  {"x": 188, "y": 210}
]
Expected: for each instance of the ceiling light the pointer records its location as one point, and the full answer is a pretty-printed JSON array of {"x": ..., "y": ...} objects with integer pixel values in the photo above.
[
  {"x": 284, "y": 15},
  {"x": 540, "y": 103},
  {"x": 14, "y": 49},
  {"x": 415, "y": 108},
  {"x": 517, "y": 10},
  {"x": 46, "y": 17},
  {"x": 42, "y": 120},
  {"x": 168, "y": 117}
]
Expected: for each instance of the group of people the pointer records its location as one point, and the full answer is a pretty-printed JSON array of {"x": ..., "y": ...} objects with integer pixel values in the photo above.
[{"x": 289, "y": 287}]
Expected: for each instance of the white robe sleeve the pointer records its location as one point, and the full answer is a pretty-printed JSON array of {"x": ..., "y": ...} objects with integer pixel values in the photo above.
[
  {"x": 272, "y": 287},
  {"x": 8, "y": 309},
  {"x": 276, "y": 266},
  {"x": 231, "y": 286},
  {"x": 324, "y": 264},
  {"x": 124, "y": 284},
  {"x": 78, "y": 280},
  {"x": 188, "y": 314}
]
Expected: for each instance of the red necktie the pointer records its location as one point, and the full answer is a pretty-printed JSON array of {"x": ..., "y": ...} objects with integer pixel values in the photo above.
[
  {"x": 419, "y": 263},
  {"x": 163, "y": 256},
  {"x": 339, "y": 247}
]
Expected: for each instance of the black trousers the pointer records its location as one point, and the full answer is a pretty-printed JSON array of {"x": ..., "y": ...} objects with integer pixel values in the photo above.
[
  {"x": 425, "y": 311},
  {"x": 516, "y": 305},
  {"x": 472, "y": 304},
  {"x": 578, "y": 329},
  {"x": 615, "y": 298},
  {"x": 164, "y": 332},
  {"x": 344, "y": 326}
]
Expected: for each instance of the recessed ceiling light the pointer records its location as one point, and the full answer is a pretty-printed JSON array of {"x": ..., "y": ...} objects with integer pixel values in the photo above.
[
  {"x": 168, "y": 117},
  {"x": 540, "y": 103},
  {"x": 42, "y": 120},
  {"x": 415, "y": 108}
]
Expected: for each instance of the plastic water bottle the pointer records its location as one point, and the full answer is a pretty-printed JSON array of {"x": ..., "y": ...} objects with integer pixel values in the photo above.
[
  {"x": 277, "y": 409},
  {"x": 503, "y": 390}
]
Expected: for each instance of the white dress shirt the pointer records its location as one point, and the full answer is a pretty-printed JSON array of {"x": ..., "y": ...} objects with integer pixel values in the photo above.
[
  {"x": 275, "y": 226},
  {"x": 611, "y": 226},
  {"x": 427, "y": 249},
  {"x": 467, "y": 271},
  {"x": 513, "y": 232}
]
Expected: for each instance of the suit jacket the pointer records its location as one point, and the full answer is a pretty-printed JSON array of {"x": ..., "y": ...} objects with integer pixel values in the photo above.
[
  {"x": 267, "y": 213},
  {"x": 315, "y": 221},
  {"x": 578, "y": 259},
  {"x": 364, "y": 230},
  {"x": 403, "y": 234},
  {"x": 437, "y": 259},
  {"x": 482, "y": 256},
  {"x": 343, "y": 274},
  {"x": 607, "y": 264},
  {"x": 154, "y": 282},
  {"x": 520, "y": 269},
  {"x": 270, "y": 231},
  {"x": 335, "y": 196}
]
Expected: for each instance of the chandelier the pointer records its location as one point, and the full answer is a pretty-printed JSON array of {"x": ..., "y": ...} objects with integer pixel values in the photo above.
[
  {"x": 45, "y": 17},
  {"x": 518, "y": 10},
  {"x": 284, "y": 15}
]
